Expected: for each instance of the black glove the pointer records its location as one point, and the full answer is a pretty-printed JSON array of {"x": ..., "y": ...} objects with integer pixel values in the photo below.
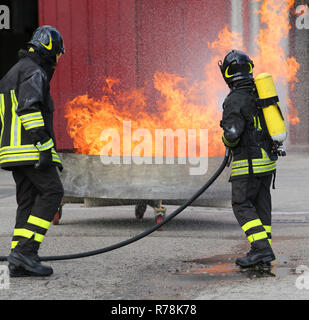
[
  {"x": 45, "y": 160},
  {"x": 44, "y": 143}
]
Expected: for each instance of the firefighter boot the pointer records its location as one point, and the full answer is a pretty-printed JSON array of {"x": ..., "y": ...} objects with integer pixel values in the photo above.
[
  {"x": 21, "y": 265},
  {"x": 256, "y": 256},
  {"x": 18, "y": 271}
]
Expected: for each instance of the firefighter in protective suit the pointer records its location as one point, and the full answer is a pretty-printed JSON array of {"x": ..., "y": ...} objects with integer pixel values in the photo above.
[
  {"x": 253, "y": 166},
  {"x": 28, "y": 148}
]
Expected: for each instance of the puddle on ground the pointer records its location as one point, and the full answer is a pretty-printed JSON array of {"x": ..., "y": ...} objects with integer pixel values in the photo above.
[{"x": 223, "y": 267}]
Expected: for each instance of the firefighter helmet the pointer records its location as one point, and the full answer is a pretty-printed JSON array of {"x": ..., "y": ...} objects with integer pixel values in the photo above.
[
  {"x": 47, "y": 40},
  {"x": 236, "y": 66}
]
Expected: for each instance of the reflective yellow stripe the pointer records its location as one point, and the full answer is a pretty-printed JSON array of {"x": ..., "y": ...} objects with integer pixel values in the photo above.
[
  {"x": 45, "y": 146},
  {"x": 56, "y": 160},
  {"x": 224, "y": 139},
  {"x": 230, "y": 144},
  {"x": 18, "y": 122},
  {"x": 55, "y": 156},
  {"x": 28, "y": 234},
  {"x": 23, "y": 233},
  {"x": 13, "y": 141},
  {"x": 269, "y": 240},
  {"x": 31, "y": 116},
  {"x": 32, "y": 120},
  {"x": 257, "y": 123},
  {"x": 257, "y": 236},
  {"x": 33, "y": 124},
  {"x": 38, "y": 222},
  {"x": 38, "y": 237},
  {"x": 18, "y": 151},
  {"x": 21, "y": 147},
  {"x": 256, "y": 169},
  {"x": 2, "y": 114},
  {"x": 19, "y": 157},
  {"x": 227, "y": 75},
  {"x": 264, "y": 153},
  {"x": 255, "y": 162},
  {"x": 263, "y": 164},
  {"x": 14, "y": 244},
  {"x": 25, "y": 157},
  {"x": 26, "y": 150},
  {"x": 266, "y": 168},
  {"x": 251, "y": 224},
  {"x": 240, "y": 163},
  {"x": 267, "y": 229}
]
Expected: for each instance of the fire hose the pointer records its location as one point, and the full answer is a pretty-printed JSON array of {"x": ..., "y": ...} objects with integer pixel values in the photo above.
[{"x": 225, "y": 163}]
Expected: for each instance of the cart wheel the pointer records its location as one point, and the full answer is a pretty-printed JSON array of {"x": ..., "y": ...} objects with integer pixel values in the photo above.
[
  {"x": 57, "y": 216},
  {"x": 140, "y": 209}
]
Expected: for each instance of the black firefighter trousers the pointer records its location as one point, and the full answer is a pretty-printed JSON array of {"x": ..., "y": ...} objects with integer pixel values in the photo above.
[
  {"x": 38, "y": 196},
  {"x": 251, "y": 202}
]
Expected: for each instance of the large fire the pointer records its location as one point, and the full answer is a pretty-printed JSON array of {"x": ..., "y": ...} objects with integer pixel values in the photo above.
[{"x": 183, "y": 104}]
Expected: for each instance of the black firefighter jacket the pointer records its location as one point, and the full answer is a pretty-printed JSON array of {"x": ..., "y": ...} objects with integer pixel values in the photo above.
[
  {"x": 26, "y": 112},
  {"x": 245, "y": 132}
]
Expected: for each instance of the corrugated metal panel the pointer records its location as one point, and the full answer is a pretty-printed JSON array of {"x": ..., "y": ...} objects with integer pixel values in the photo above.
[
  {"x": 128, "y": 40},
  {"x": 58, "y": 14},
  {"x": 203, "y": 21}
]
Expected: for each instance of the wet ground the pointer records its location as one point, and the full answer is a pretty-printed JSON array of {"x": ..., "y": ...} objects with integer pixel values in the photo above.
[
  {"x": 191, "y": 258},
  {"x": 223, "y": 267}
]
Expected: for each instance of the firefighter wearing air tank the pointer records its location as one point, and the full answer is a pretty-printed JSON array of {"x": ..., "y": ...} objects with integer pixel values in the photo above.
[
  {"x": 255, "y": 139},
  {"x": 28, "y": 148}
]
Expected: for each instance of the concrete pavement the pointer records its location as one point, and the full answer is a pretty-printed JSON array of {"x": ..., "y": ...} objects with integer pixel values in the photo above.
[{"x": 192, "y": 258}]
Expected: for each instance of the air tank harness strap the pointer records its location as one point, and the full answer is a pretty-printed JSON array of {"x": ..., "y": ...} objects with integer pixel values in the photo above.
[{"x": 264, "y": 103}]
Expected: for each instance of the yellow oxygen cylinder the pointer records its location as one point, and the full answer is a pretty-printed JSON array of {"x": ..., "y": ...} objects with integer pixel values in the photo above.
[{"x": 270, "y": 106}]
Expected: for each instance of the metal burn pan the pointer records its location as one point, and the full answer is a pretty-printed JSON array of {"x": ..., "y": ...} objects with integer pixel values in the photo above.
[{"x": 86, "y": 179}]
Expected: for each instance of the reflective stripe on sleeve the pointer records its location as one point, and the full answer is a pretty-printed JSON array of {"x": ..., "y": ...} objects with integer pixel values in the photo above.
[
  {"x": 32, "y": 120},
  {"x": 45, "y": 146},
  {"x": 31, "y": 116},
  {"x": 230, "y": 144},
  {"x": 33, "y": 124}
]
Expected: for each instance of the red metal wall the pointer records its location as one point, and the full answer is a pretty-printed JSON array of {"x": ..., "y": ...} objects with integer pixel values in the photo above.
[{"x": 128, "y": 40}]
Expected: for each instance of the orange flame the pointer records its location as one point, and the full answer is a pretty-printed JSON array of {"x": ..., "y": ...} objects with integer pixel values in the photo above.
[
  {"x": 183, "y": 104},
  {"x": 272, "y": 57}
]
